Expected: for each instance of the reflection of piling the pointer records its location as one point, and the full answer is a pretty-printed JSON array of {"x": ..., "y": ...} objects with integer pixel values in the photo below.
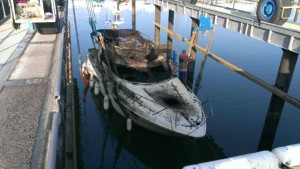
[
  {"x": 297, "y": 13},
  {"x": 3, "y": 9},
  {"x": 117, "y": 17},
  {"x": 157, "y": 28},
  {"x": 133, "y": 15},
  {"x": 283, "y": 81},
  {"x": 199, "y": 78},
  {"x": 118, "y": 5},
  {"x": 191, "y": 65},
  {"x": 233, "y": 5},
  {"x": 170, "y": 27}
]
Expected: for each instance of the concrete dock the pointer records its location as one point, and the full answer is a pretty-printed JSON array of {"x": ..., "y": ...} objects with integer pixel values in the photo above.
[{"x": 32, "y": 94}]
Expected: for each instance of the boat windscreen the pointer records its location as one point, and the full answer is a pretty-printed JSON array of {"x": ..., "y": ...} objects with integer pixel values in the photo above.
[{"x": 144, "y": 75}]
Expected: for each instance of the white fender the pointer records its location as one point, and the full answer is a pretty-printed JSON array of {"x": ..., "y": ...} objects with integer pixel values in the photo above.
[
  {"x": 96, "y": 88},
  {"x": 128, "y": 124},
  {"x": 106, "y": 102},
  {"x": 91, "y": 81},
  {"x": 262, "y": 159},
  {"x": 288, "y": 155}
]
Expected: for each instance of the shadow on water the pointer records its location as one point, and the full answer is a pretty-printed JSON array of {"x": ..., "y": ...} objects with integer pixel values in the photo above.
[{"x": 139, "y": 148}]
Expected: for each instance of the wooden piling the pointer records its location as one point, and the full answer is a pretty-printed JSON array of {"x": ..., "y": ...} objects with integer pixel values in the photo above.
[
  {"x": 238, "y": 70},
  {"x": 157, "y": 28},
  {"x": 133, "y": 15},
  {"x": 283, "y": 80},
  {"x": 193, "y": 53},
  {"x": 170, "y": 27}
]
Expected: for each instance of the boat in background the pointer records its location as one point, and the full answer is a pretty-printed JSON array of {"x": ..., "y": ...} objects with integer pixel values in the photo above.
[{"x": 134, "y": 77}]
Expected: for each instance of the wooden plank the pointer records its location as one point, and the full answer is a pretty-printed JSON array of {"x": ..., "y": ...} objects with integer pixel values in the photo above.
[
  {"x": 238, "y": 70},
  {"x": 164, "y": 48}
]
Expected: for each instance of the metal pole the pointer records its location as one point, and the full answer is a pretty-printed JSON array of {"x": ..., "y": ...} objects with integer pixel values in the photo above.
[
  {"x": 157, "y": 28},
  {"x": 133, "y": 15},
  {"x": 283, "y": 80}
]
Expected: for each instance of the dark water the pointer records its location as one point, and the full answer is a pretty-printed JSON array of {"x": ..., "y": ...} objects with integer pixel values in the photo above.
[{"x": 240, "y": 106}]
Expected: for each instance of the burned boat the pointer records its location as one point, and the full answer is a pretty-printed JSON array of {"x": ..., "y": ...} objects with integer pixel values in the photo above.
[{"x": 136, "y": 80}]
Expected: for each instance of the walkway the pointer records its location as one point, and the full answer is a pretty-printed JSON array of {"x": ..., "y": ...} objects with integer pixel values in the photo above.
[
  {"x": 286, "y": 36},
  {"x": 29, "y": 64}
]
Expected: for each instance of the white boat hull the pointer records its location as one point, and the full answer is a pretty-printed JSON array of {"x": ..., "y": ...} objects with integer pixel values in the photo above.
[{"x": 138, "y": 114}]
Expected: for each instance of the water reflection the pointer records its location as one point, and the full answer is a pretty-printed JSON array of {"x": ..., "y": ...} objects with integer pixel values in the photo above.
[
  {"x": 114, "y": 147},
  {"x": 240, "y": 106}
]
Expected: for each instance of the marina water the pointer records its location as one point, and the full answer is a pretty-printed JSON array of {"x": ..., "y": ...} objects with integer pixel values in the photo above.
[{"x": 240, "y": 106}]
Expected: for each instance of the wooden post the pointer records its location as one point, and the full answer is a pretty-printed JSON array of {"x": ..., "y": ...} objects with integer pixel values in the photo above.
[
  {"x": 170, "y": 37},
  {"x": 157, "y": 28},
  {"x": 191, "y": 65},
  {"x": 133, "y": 15},
  {"x": 283, "y": 80}
]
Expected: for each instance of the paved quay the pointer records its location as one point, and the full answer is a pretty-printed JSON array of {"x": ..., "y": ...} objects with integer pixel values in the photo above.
[{"x": 31, "y": 87}]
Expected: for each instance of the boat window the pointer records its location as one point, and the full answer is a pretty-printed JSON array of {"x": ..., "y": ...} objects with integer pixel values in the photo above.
[
  {"x": 146, "y": 75},
  {"x": 132, "y": 74}
]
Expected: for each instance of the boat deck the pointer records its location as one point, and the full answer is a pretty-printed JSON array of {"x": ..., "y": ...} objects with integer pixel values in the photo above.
[{"x": 27, "y": 65}]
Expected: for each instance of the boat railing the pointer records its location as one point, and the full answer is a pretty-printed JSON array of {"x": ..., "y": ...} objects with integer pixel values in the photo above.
[
  {"x": 144, "y": 35},
  {"x": 205, "y": 102},
  {"x": 203, "y": 97}
]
